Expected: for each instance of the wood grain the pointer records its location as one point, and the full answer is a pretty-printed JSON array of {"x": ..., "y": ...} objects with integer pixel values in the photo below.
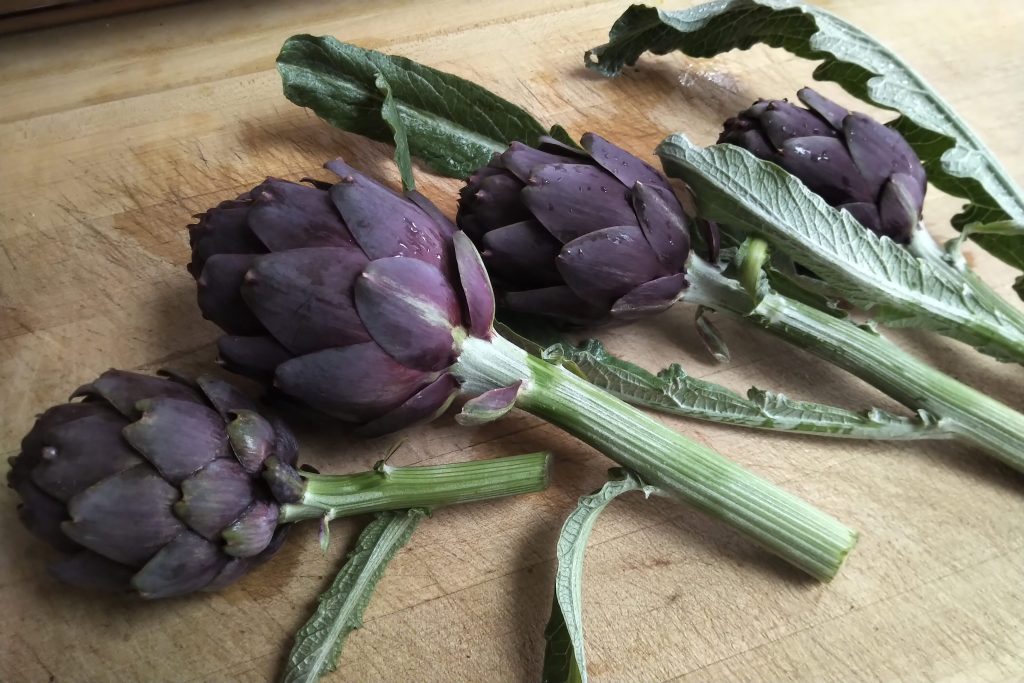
[{"x": 113, "y": 133}]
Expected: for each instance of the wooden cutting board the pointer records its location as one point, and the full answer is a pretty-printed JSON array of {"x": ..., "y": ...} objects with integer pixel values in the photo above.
[{"x": 113, "y": 133}]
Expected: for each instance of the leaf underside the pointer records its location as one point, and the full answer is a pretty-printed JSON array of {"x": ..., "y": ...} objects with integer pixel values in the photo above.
[
  {"x": 956, "y": 160},
  {"x": 733, "y": 186},
  {"x": 340, "y": 610},
  {"x": 564, "y": 658}
]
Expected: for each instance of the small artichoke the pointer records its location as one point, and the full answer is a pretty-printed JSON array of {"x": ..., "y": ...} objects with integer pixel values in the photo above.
[
  {"x": 587, "y": 237},
  {"x": 852, "y": 161},
  {"x": 349, "y": 297},
  {"x": 152, "y": 484}
]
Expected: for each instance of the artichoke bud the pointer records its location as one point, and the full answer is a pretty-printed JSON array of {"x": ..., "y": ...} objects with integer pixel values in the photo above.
[
  {"x": 348, "y": 297},
  {"x": 152, "y": 484},
  {"x": 850, "y": 160},
  {"x": 587, "y": 236}
]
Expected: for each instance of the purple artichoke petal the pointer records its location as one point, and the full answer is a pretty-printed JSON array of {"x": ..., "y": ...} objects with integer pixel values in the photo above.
[
  {"x": 825, "y": 167},
  {"x": 219, "y": 290},
  {"x": 522, "y": 255},
  {"x": 546, "y": 143},
  {"x": 627, "y": 168},
  {"x": 423, "y": 406},
  {"x": 222, "y": 230},
  {"x": 384, "y": 223},
  {"x": 86, "y": 569},
  {"x": 650, "y": 297},
  {"x": 560, "y": 303},
  {"x": 410, "y": 310},
  {"x": 304, "y": 297},
  {"x": 609, "y": 263},
  {"x": 225, "y": 397},
  {"x": 33, "y": 443},
  {"x": 879, "y": 151},
  {"x": 898, "y": 208},
  {"x": 253, "y": 356},
  {"x": 782, "y": 121},
  {"x": 475, "y": 181},
  {"x": 571, "y": 200},
  {"x": 476, "y": 287},
  {"x": 521, "y": 159},
  {"x": 126, "y": 517},
  {"x": 286, "y": 448},
  {"x": 428, "y": 208},
  {"x": 664, "y": 225},
  {"x": 124, "y": 390},
  {"x": 288, "y": 215},
  {"x": 252, "y": 439},
  {"x": 738, "y": 132},
  {"x": 186, "y": 564},
  {"x": 42, "y": 515},
  {"x": 865, "y": 213},
  {"x": 235, "y": 569},
  {"x": 823, "y": 107},
  {"x": 82, "y": 452},
  {"x": 491, "y": 405},
  {"x": 355, "y": 383},
  {"x": 252, "y": 531},
  {"x": 494, "y": 204},
  {"x": 214, "y": 497},
  {"x": 177, "y": 437}
]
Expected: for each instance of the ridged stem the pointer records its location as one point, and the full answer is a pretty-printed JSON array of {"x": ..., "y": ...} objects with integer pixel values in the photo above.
[
  {"x": 396, "y": 488},
  {"x": 784, "y": 524},
  {"x": 965, "y": 412}
]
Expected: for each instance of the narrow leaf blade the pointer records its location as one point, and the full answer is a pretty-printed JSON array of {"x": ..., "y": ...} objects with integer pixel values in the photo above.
[
  {"x": 564, "y": 657},
  {"x": 674, "y": 392},
  {"x": 319, "y": 642},
  {"x": 956, "y": 160},
  {"x": 449, "y": 123}
]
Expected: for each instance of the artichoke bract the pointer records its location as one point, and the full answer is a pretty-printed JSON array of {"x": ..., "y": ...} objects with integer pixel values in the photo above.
[
  {"x": 152, "y": 484},
  {"x": 349, "y": 297},
  {"x": 851, "y": 160},
  {"x": 587, "y": 237}
]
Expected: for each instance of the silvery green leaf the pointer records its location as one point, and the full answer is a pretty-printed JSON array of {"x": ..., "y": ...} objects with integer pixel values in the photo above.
[
  {"x": 735, "y": 187},
  {"x": 340, "y": 610},
  {"x": 956, "y": 160},
  {"x": 675, "y": 392},
  {"x": 564, "y": 657}
]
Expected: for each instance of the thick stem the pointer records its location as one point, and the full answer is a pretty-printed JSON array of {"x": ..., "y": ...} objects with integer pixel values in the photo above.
[
  {"x": 959, "y": 409},
  {"x": 805, "y": 536},
  {"x": 395, "y": 488}
]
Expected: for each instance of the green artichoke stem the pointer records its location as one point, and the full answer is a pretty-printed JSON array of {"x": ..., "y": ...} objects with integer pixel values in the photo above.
[
  {"x": 395, "y": 488},
  {"x": 960, "y": 410},
  {"x": 924, "y": 246},
  {"x": 784, "y": 524}
]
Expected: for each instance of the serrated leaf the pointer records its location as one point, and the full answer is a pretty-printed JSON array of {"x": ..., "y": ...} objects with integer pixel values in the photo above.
[
  {"x": 674, "y": 392},
  {"x": 451, "y": 124},
  {"x": 564, "y": 657},
  {"x": 956, "y": 160},
  {"x": 733, "y": 186},
  {"x": 340, "y": 610}
]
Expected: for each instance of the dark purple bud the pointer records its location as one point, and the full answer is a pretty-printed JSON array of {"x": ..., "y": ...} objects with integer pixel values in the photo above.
[{"x": 849, "y": 159}]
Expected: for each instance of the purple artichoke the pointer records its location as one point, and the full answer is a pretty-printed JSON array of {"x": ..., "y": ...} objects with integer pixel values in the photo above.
[
  {"x": 348, "y": 297},
  {"x": 585, "y": 237},
  {"x": 852, "y": 161},
  {"x": 153, "y": 484}
]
